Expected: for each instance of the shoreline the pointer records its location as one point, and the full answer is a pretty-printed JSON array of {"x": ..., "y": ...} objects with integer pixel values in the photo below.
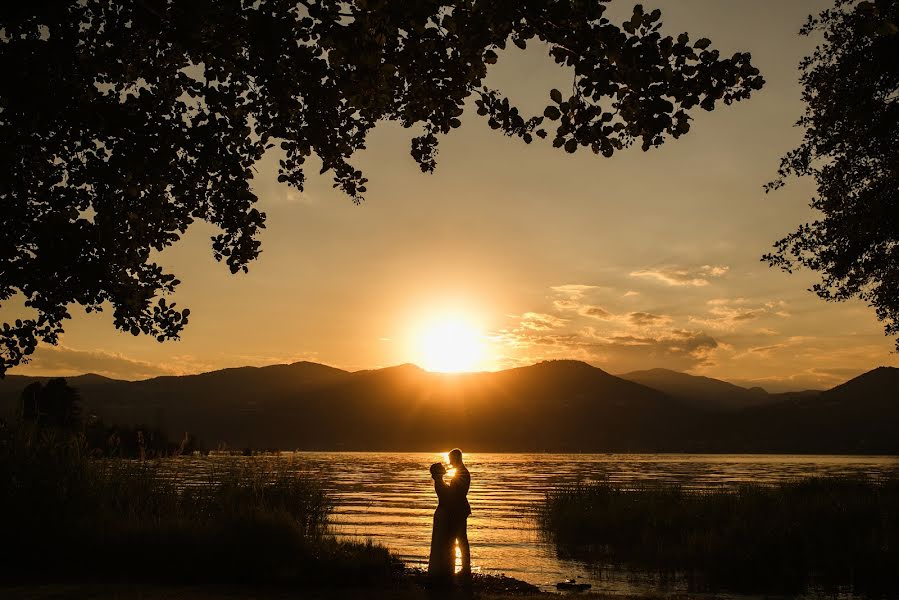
[{"x": 411, "y": 585}]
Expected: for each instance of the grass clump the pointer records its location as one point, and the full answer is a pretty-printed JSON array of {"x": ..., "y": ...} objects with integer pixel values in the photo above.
[
  {"x": 831, "y": 534},
  {"x": 67, "y": 516}
]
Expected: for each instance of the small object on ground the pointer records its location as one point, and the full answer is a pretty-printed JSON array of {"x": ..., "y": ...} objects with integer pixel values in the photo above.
[{"x": 573, "y": 586}]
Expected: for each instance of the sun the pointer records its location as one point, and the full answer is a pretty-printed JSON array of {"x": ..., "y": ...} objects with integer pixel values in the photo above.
[{"x": 450, "y": 344}]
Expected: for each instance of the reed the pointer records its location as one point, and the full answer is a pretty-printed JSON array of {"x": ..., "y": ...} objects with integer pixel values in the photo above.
[
  {"x": 65, "y": 515},
  {"x": 828, "y": 534}
]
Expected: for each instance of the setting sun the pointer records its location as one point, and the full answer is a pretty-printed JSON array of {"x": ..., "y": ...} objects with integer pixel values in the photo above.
[{"x": 450, "y": 344}]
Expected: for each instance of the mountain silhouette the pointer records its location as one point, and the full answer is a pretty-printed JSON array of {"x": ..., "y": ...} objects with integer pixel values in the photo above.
[
  {"x": 860, "y": 416},
  {"x": 559, "y": 406},
  {"x": 878, "y": 387},
  {"x": 703, "y": 392}
]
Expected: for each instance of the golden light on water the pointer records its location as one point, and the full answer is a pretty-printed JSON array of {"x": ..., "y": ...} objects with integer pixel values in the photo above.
[{"x": 450, "y": 343}]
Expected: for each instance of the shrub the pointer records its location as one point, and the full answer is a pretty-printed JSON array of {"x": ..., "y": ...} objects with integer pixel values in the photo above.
[
  {"x": 829, "y": 534},
  {"x": 65, "y": 515}
]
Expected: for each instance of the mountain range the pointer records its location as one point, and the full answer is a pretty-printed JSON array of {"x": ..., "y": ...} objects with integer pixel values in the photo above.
[{"x": 559, "y": 406}]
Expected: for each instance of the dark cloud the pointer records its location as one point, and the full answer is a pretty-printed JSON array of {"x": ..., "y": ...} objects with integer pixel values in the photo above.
[
  {"x": 597, "y": 312},
  {"x": 645, "y": 318},
  {"x": 620, "y": 351},
  {"x": 676, "y": 349}
]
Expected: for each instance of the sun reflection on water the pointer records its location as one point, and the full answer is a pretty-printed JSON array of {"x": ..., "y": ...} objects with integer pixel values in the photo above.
[{"x": 389, "y": 498}]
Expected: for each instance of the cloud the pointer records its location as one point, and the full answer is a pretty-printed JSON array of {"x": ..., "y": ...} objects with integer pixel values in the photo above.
[
  {"x": 597, "y": 312},
  {"x": 679, "y": 349},
  {"x": 723, "y": 337},
  {"x": 700, "y": 332},
  {"x": 563, "y": 304},
  {"x": 573, "y": 290},
  {"x": 766, "y": 350},
  {"x": 62, "y": 360},
  {"x": 683, "y": 276},
  {"x": 533, "y": 321},
  {"x": 629, "y": 341},
  {"x": 725, "y": 313},
  {"x": 574, "y": 304},
  {"x": 586, "y": 310},
  {"x": 572, "y": 301},
  {"x": 644, "y": 319},
  {"x": 625, "y": 340},
  {"x": 807, "y": 379}
]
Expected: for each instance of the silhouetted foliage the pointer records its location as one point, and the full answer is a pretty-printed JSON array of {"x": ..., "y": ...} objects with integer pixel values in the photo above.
[
  {"x": 54, "y": 404},
  {"x": 57, "y": 405},
  {"x": 829, "y": 535},
  {"x": 67, "y": 517},
  {"x": 121, "y": 123},
  {"x": 140, "y": 441},
  {"x": 851, "y": 148}
]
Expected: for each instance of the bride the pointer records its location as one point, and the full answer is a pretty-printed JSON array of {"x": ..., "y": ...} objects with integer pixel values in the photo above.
[{"x": 442, "y": 562}]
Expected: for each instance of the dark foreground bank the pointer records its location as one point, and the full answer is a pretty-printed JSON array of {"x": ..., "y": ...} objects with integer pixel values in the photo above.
[
  {"x": 68, "y": 517},
  {"x": 77, "y": 527},
  {"x": 408, "y": 587},
  {"x": 69, "y": 521},
  {"x": 823, "y": 535}
]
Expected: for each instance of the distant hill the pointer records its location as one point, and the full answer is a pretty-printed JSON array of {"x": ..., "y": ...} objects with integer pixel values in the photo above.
[
  {"x": 698, "y": 391},
  {"x": 559, "y": 406},
  {"x": 877, "y": 387},
  {"x": 860, "y": 416}
]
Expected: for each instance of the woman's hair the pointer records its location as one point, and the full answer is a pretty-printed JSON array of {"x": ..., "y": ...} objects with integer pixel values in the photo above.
[{"x": 437, "y": 469}]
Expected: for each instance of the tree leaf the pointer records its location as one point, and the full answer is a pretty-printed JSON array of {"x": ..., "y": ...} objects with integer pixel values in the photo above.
[{"x": 185, "y": 146}]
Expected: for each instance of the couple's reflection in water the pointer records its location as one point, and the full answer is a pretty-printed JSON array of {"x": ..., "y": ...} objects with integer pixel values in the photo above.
[{"x": 450, "y": 521}]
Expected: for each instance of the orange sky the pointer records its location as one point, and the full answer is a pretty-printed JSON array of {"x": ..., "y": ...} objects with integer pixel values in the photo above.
[{"x": 643, "y": 260}]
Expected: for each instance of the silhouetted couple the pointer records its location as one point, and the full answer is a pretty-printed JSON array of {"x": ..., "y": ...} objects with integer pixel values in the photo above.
[{"x": 450, "y": 519}]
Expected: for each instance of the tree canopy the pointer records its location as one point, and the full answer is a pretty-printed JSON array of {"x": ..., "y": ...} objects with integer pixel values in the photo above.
[
  {"x": 851, "y": 149},
  {"x": 122, "y": 122},
  {"x": 54, "y": 404}
]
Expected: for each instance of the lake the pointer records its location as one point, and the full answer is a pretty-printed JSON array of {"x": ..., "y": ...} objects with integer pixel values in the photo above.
[{"x": 389, "y": 498}]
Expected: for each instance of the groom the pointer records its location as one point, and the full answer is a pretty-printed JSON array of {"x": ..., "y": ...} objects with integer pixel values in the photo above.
[{"x": 460, "y": 508}]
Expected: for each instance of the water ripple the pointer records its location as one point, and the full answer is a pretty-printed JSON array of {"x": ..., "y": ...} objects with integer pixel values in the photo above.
[{"x": 389, "y": 497}]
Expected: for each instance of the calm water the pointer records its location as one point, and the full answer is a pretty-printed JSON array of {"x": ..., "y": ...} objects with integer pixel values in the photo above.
[{"x": 389, "y": 497}]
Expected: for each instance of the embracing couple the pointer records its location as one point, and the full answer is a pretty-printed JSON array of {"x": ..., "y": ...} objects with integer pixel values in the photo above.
[{"x": 450, "y": 519}]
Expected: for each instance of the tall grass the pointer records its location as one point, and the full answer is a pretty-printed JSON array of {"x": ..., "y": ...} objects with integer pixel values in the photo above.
[
  {"x": 818, "y": 534},
  {"x": 64, "y": 515}
]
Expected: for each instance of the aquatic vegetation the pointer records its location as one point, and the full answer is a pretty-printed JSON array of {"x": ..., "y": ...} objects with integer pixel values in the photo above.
[
  {"x": 65, "y": 515},
  {"x": 832, "y": 534}
]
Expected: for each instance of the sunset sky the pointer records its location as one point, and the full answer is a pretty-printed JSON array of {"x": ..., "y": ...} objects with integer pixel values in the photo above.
[{"x": 642, "y": 260}]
